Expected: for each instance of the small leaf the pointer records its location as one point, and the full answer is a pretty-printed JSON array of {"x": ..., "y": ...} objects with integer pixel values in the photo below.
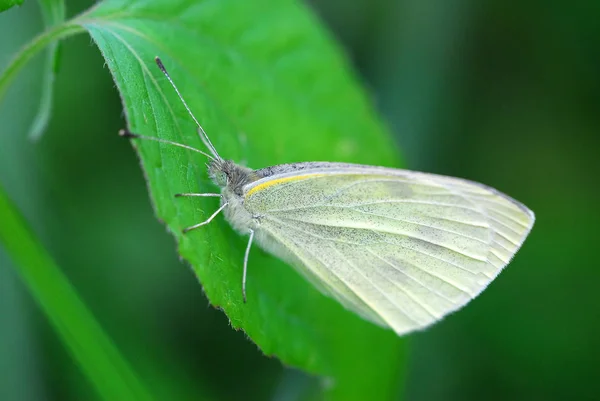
[{"x": 269, "y": 87}]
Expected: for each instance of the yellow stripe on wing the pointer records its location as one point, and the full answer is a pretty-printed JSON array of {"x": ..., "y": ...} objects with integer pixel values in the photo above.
[{"x": 277, "y": 181}]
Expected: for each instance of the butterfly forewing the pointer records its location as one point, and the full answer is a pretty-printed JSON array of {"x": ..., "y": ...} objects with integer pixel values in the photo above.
[{"x": 399, "y": 248}]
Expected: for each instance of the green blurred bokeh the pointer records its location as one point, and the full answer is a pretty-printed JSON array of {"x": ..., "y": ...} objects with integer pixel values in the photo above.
[{"x": 503, "y": 94}]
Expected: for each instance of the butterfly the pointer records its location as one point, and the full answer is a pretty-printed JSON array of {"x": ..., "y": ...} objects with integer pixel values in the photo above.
[{"x": 399, "y": 248}]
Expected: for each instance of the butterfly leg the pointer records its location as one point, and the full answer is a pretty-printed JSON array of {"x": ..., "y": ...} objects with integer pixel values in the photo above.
[
  {"x": 246, "y": 264},
  {"x": 185, "y": 230}
]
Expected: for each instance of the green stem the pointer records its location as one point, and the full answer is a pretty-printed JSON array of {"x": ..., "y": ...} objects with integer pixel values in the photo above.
[
  {"x": 32, "y": 48},
  {"x": 98, "y": 357}
]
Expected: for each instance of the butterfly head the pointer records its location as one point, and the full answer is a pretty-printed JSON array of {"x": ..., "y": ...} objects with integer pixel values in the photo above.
[{"x": 227, "y": 174}]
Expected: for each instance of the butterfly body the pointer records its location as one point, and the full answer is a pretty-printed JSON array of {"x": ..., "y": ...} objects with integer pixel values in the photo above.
[{"x": 232, "y": 178}]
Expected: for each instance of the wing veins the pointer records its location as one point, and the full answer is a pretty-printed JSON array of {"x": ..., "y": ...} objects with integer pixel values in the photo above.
[
  {"x": 390, "y": 243},
  {"x": 424, "y": 225},
  {"x": 418, "y": 281},
  {"x": 326, "y": 266},
  {"x": 503, "y": 247},
  {"x": 415, "y": 201},
  {"x": 511, "y": 218},
  {"x": 281, "y": 221},
  {"x": 500, "y": 257},
  {"x": 506, "y": 238},
  {"x": 383, "y": 242},
  {"x": 391, "y": 233},
  {"x": 489, "y": 197},
  {"x": 387, "y": 201},
  {"x": 438, "y": 258},
  {"x": 495, "y": 220},
  {"x": 409, "y": 293},
  {"x": 376, "y": 287},
  {"x": 458, "y": 221}
]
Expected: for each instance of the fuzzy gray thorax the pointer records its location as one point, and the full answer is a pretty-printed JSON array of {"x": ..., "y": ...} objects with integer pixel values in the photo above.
[{"x": 232, "y": 178}]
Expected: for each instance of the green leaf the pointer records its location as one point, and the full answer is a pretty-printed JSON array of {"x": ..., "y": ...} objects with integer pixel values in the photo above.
[
  {"x": 269, "y": 87},
  {"x": 99, "y": 359},
  {"x": 6, "y": 4}
]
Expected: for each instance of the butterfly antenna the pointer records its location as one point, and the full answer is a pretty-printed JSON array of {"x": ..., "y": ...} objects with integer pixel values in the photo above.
[
  {"x": 203, "y": 135},
  {"x": 127, "y": 134}
]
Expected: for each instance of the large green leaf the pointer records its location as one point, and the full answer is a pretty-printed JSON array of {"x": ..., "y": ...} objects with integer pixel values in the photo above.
[{"x": 269, "y": 87}]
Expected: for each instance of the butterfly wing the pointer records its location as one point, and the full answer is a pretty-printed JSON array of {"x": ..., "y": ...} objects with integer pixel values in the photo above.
[{"x": 402, "y": 249}]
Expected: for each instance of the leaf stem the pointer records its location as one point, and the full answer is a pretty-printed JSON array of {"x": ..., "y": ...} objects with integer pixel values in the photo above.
[
  {"x": 99, "y": 358},
  {"x": 32, "y": 48},
  {"x": 53, "y": 12}
]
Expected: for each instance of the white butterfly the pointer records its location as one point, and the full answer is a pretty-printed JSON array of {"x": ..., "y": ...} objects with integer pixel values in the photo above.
[{"x": 402, "y": 249}]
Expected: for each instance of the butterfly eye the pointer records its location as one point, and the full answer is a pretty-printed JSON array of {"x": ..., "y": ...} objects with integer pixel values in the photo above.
[{"x": 221, "y": 179}]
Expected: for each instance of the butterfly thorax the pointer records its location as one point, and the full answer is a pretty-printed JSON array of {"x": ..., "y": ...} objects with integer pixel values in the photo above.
[{"x": 232, "y": 178}]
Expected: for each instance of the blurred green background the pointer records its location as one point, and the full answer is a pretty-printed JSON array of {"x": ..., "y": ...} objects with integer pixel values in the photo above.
[{"x": 502, "y": 93}]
